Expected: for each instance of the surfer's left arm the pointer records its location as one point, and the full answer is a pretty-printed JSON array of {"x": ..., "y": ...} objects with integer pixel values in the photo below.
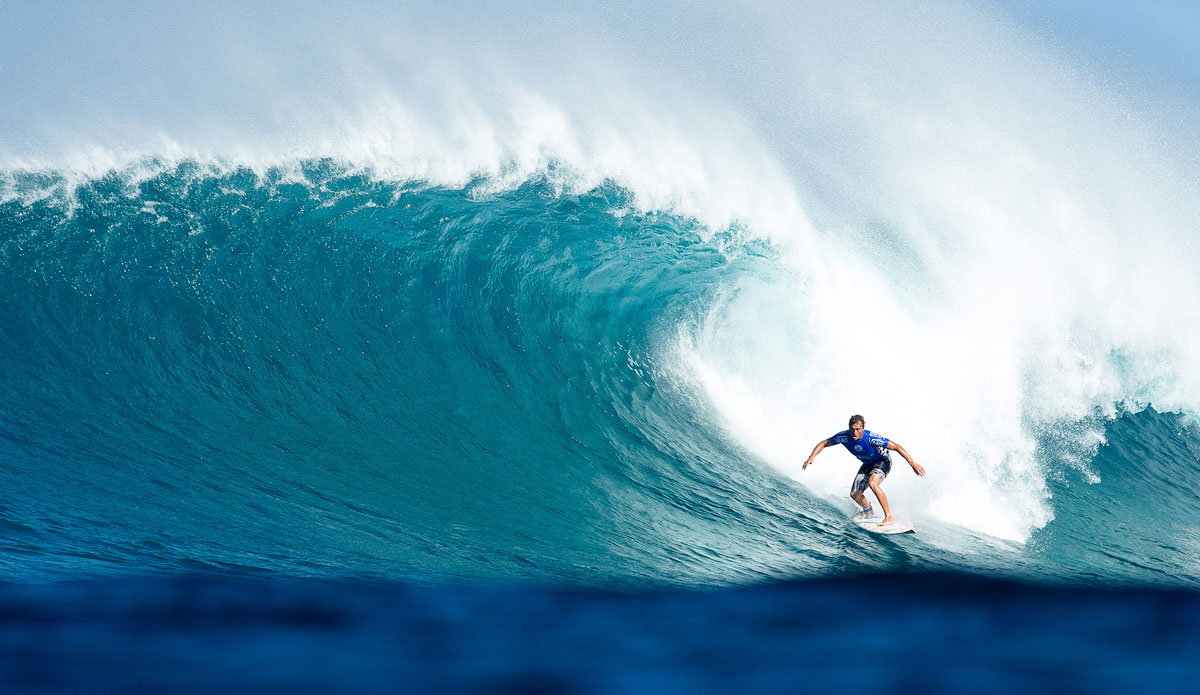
[{"x": 917, "y": 468}]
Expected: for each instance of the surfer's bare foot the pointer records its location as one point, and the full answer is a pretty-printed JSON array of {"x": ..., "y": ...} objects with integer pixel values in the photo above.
[{"x": 887, "y": 520}]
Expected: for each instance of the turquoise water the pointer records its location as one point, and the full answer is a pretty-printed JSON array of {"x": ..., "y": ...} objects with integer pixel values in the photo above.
[{"x": 329, "y": 374}]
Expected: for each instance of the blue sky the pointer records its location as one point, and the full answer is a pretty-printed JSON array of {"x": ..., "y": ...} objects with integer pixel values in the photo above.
[{"x": 1160, "y": 37}]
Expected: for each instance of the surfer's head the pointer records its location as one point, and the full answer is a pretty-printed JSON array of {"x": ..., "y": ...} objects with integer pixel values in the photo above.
[{"x": 858, "y": 423}]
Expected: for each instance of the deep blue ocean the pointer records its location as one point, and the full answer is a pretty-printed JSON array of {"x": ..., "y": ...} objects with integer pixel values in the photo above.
[{"x": 510, "y": 391}]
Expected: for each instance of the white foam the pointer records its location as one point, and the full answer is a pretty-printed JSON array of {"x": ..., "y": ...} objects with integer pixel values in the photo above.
[{"x": 1021, "y": 263}]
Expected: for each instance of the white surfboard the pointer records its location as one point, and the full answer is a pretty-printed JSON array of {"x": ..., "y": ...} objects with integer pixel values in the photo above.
[{"x": 873, "y": 526}]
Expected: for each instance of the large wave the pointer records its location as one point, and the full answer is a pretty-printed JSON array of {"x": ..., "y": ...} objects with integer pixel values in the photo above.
[{"x": 917, "y": 213}]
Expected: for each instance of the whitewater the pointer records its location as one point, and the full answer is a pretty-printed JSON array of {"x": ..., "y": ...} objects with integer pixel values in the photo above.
[{"x": 528, "y": 296}]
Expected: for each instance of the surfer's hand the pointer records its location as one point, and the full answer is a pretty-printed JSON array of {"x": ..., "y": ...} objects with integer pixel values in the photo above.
[
  {"x": 806, "y": 464},
  {"x": 918, "y": 469}
]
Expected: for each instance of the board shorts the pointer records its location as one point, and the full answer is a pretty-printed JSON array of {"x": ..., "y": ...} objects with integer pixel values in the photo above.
[{"x": 881, "y": 466}]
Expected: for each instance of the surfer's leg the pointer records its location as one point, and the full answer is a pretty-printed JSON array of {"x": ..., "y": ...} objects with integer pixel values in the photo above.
[
  {"x": 875, "y": 481},
  {"x": 858, "y": 489}
]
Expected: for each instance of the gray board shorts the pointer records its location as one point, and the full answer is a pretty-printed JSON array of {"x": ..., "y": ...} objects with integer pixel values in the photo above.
[{"x": 882, "y": 466}]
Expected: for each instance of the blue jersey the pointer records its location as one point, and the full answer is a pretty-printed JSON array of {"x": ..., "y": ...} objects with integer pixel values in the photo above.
[{"x": 869, "y": 449}]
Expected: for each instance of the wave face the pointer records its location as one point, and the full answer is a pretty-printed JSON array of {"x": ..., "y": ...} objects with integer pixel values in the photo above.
[
  {"x": 331, "y": 373},
  {"x": 320, "y": 372},
  {"x": 492, "y": 298}
]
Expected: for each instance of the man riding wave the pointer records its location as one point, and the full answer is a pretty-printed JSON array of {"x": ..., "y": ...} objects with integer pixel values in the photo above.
[{"x": 874, "y": 452}]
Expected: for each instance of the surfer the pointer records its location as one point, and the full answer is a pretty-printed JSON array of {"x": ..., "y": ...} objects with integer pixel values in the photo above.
[{"x": 874, "y": 452}]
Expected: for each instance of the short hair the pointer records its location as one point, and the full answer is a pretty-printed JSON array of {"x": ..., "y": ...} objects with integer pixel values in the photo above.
[{"x": 858, "y": 418}]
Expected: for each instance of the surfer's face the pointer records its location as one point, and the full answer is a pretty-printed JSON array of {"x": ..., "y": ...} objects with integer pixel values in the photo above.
[{"x": 856, "y": 431}]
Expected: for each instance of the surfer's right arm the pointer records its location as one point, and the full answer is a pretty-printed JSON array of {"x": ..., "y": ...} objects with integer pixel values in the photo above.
[{"x": 816, "y": 450}]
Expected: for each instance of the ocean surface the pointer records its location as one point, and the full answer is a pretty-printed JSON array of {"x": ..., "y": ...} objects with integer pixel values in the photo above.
[{"x": 510, "y": 391}]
